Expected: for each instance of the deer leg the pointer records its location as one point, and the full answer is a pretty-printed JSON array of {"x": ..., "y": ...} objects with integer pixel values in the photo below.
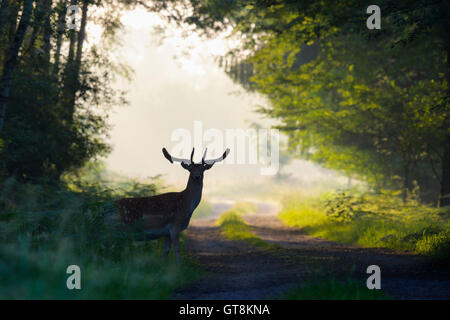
[
  {"x": 167, "y": 244},
  {"x": 175, "y": 237}
]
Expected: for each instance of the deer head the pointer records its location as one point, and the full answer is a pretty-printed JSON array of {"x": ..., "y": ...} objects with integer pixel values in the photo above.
[{"x": 196, "y": 170}]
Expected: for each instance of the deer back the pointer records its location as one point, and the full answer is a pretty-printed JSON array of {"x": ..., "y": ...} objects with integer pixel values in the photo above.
[{"x": 162, "y": 208}]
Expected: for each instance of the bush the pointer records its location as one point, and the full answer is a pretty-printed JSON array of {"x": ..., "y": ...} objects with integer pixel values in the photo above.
[
  {"x": 344, "y": 207},
  {"x": 370, "y": 220},
  {"x": 436, "y": 246}
]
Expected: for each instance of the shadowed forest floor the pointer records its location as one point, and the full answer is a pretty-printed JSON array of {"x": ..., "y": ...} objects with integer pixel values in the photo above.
[{"x": 238, "y": 270}]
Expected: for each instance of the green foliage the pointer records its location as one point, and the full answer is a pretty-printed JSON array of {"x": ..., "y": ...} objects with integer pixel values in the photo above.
[
  {"x": 350, "y": 99},
  {"x": 435, "y": 245},
  {"x": 61, "y": 92},
  {"x": 354, "y": 110},
  {"x": 371, "y": 220},
  {"x": 95, "y": 176},
  {"x": 342, "y": 207},
  {"x": 332, "y": 289},
  {"x": 45, "y": 229}
]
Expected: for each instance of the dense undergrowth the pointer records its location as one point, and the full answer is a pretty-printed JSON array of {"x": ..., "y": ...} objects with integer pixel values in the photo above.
[
  {"x": 372, "y": 220},
  {"x": 44, "y": 229}
]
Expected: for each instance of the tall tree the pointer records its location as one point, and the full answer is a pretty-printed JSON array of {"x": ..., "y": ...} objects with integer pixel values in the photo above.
[
  {"x": 274, "y": 31},
  {"x": 61, "y": 11},
  {"x": 11, "y": 59},
  {"x": 61, "y": 91},
  {"x": 47, "y": 35},
  {"x": 3, "y": 13}
]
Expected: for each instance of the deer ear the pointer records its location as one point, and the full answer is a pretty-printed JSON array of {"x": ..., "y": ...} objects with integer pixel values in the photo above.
[
  {"x": 185, "y": 166},
  {"x": 208, "y": 166}
]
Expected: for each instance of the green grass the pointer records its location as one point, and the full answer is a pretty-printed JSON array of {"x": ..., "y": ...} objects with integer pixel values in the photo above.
[
  {"x": 332, "y": 289},
  {"x": 233, "y": 226},
  {"x": 372, "y": 220},
  {"x": 43, "y": 230}
]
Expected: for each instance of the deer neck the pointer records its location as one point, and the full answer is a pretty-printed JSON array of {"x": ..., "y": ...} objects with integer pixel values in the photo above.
[{"x": 193, "y": 194}]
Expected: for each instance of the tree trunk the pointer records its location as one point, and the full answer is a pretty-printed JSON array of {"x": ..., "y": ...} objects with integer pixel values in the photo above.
[
  {"x": 11, "y": 59},
  {"x": 36, "y": 24},
  {"x": 74, "y": 61},
  {"x": 69, "y": 77},
  {"x": 48, "y": 31},
  {"x": 406, "y": 181},
  {"x": 445, "y": 186},
  {"x": 10, "y": 26},
  {"x": 62, "y": 12},
  {"x": 81, "y": 36},
  {"x": 3, "y": 14},
  {"x": 12, "y": 19}
]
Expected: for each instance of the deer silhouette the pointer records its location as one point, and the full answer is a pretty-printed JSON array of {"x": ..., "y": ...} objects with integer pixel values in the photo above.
[{"x": 168, "y": 214}]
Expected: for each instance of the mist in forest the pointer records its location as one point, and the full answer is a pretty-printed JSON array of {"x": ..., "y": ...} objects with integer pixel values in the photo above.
[{"x": 176, "y": 82}]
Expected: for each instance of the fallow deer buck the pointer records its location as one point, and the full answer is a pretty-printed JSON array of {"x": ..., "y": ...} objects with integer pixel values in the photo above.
[{"x": 167, "y": 214}]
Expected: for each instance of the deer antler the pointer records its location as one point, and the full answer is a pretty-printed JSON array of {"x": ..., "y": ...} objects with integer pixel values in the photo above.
[
  {"x": 187, "y": 161},
  {"x": 204, "y": 155},
  {"x": 192, "y": 155},
  {"x": 212, "y": 161},
  {"x": 173, "y": 159}
]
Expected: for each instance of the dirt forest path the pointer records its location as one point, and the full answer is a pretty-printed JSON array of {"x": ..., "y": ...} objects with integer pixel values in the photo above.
[{"x": 238, "y": 270}]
